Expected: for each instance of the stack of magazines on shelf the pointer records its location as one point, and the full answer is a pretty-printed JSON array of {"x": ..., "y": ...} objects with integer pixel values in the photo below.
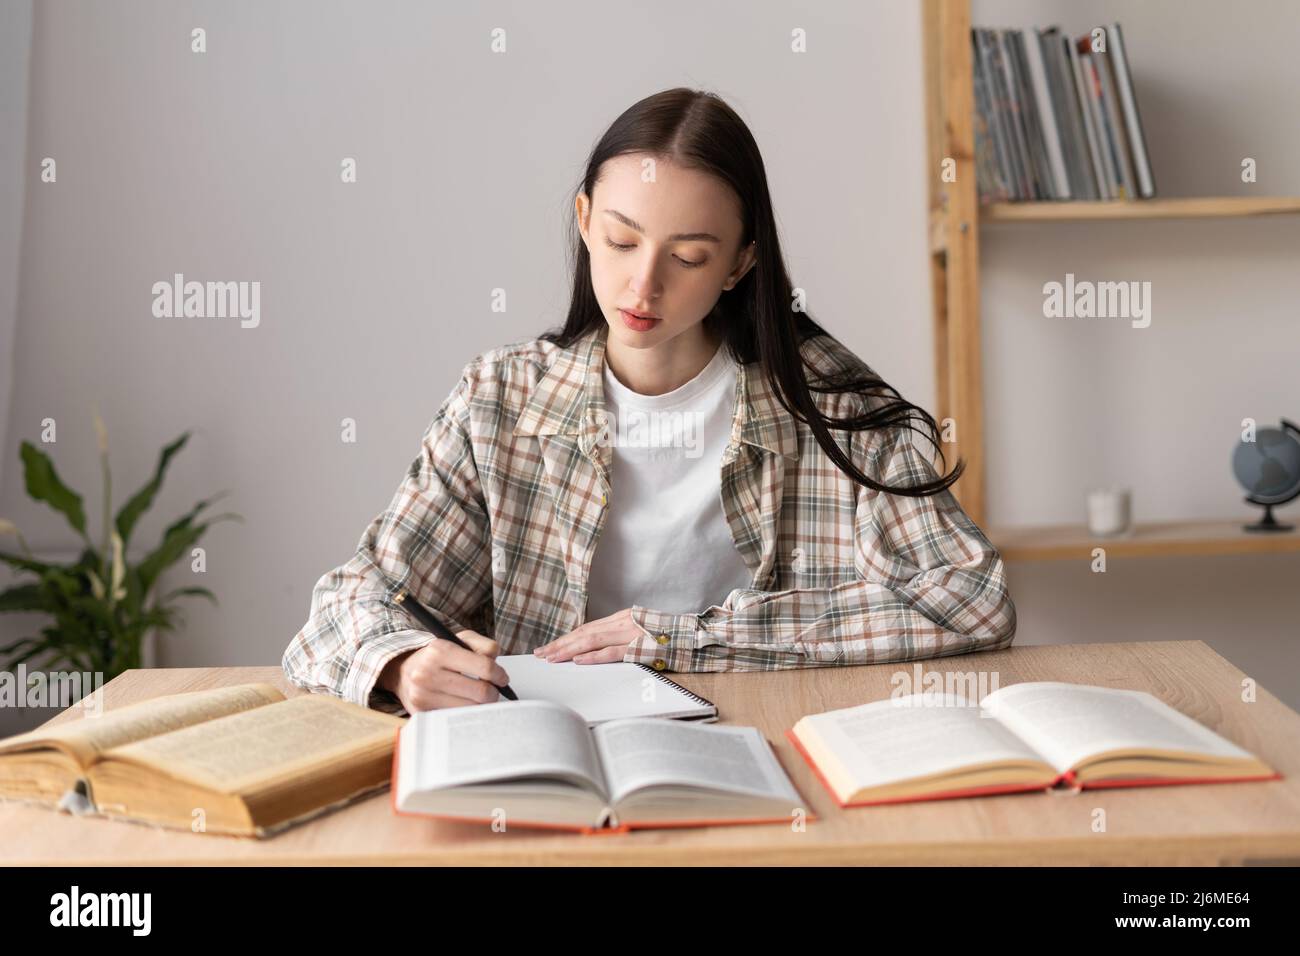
[{"x": 1057, "y": 118}]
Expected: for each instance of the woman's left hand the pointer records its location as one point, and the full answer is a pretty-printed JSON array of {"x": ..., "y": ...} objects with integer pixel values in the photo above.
[{"x": 601, "y": 641}]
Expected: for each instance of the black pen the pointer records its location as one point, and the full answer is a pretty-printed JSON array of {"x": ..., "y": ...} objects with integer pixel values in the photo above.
[{"x": 431, "y": 623}]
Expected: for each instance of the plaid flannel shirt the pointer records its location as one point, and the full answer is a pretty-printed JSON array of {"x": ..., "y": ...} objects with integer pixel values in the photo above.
[{"x": 496, "y": 521}]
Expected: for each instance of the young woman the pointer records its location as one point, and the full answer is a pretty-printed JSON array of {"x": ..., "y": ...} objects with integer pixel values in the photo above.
[{"x": 690, "y": 474}]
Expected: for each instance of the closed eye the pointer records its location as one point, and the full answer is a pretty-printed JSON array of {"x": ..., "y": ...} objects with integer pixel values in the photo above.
[{"x": 623, "y": 248}]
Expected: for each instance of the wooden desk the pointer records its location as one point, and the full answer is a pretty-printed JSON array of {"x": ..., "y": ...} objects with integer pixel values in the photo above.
[{"x": 1233, "y": 823}]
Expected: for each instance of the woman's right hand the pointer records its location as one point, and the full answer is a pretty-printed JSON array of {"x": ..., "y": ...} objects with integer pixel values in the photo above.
[{"x": 434, "y": 675}]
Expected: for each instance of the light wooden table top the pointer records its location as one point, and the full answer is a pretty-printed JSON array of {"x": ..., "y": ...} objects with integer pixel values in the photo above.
[{"x": 1226, "y": 823}]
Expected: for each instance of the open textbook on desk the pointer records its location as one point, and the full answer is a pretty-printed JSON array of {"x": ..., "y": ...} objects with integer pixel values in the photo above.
[
  {"x": 536, "y": 763},
  {"x": 1028, "y": 736}
]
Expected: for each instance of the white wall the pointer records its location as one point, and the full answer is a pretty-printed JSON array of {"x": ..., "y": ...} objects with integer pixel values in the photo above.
[
  {"x": 224, "y": 166},
  {"x": 15, "y": 54}
]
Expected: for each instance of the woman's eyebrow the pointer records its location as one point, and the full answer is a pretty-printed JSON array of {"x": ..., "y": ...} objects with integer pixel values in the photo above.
[{"x": 679, "y": 237}]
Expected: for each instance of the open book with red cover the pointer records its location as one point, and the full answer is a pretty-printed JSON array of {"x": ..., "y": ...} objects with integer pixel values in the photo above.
[
  {"x": 534, "y": 763},
  {"x": 1028, "y": 736}
]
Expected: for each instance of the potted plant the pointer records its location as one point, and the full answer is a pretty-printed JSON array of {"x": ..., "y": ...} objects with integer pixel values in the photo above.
[{"x": 102, "y": 604}]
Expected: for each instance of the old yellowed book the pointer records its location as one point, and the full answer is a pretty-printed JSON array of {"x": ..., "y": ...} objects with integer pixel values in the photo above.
[{"x": 240, "y": 760}]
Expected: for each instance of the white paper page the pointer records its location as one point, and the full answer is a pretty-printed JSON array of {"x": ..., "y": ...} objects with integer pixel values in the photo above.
[
  {"x": 461, "y": 745},
  {"x": 599, "y": 692},
  {"x": 905, "y": 737},
  {"x": 646, "y": 752},
  {"x": 1070, "y": 721}
]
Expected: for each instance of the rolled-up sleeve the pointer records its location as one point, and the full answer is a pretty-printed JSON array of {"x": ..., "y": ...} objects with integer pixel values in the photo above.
[
  {"x": 432, "y": 539},
  {"x": 927, "y": 584}
]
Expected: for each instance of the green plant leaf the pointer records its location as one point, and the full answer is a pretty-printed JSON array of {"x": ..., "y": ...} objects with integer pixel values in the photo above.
[
  {"x": 43, "y": 484},
  {"x": 74, "y": 643},
  {"x": 176, "y": 541},
  {"x": 62, "y": 582},
  {"x": 92, "y": 609},
  {"x": 11, "y": 648},
  {"x": 189, "y": 516},
  {"x": 24, "y": 597},
  {"x": 24, "y": 564},
  {"x": 142, "y": 500},
  {"x": 38, "y": 648},
  {"x": 64, "y": 661},
  {"x": 157, "y": 615},
  {"x": 183, "y": 592},
  {"x": 134, "y": 596}
]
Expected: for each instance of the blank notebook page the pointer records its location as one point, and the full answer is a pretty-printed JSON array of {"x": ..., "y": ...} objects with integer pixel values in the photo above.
[{"x": 601, "y": 692}]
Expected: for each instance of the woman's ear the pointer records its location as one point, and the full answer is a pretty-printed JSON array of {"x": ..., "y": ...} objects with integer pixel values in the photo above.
[
  {"x": 580, "y": 206},
  {"x": 747, "y": 260}
]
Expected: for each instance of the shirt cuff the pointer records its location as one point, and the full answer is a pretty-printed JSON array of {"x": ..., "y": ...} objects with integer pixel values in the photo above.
[
  {"x": 667, "y": 641},
  {"x": 359, "y": 687}
]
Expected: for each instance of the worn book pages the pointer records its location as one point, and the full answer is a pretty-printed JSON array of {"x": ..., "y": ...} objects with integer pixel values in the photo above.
[
  {"x": 283, "y": 741},
  {"x": 90, "y": 736}
]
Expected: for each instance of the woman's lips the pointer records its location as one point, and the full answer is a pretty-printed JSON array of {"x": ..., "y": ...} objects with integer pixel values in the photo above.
[{"x": 636, "y": 323}]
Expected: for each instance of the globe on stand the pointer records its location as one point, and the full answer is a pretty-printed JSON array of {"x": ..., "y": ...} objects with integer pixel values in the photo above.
[{"x": 1269, "y": 469}]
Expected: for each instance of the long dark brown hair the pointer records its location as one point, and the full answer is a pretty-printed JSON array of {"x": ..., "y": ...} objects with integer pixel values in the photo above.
[{"x": 754, "y": 319}]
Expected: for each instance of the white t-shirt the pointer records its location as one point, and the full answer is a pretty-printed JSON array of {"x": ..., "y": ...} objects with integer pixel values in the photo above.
[{"x": 666, "y": 544}]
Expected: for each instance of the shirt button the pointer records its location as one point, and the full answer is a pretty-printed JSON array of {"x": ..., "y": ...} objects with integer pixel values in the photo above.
[
  {"x": 662, "y": 638},
  {"x": 659, "y": 665}
]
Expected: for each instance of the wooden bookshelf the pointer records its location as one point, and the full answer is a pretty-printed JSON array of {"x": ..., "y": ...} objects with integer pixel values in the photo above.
[
  {"x": 955, "y": 220},
  {"x": 1144, "y": 540},
  {"x": 1219, "y": 207}
]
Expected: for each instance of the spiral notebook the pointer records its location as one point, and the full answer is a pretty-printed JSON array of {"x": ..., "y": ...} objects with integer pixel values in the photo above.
[{"x": 601, "y": 692}]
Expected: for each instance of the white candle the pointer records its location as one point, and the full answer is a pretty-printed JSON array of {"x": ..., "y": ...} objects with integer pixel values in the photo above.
[{"x": 1108, "y": 511}]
